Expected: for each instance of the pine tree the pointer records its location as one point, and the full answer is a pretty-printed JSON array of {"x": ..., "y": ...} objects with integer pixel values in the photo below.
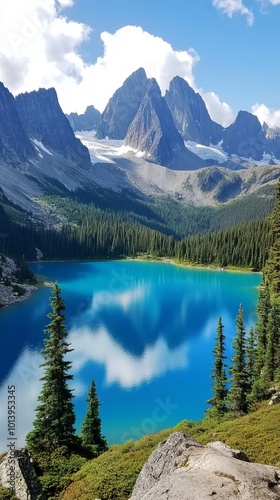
[
  {"x": 272, "y": 267},
  {"x": 238, "y": 392},
  {"x": 250, "y": 357},
  {"x": 54, "y": 423},
  {"x": 271, "y": 365},
  {"x": 218, "y": 401},
  {"x": 91, "y": 427},
  {"x": 263, "y": 309}
]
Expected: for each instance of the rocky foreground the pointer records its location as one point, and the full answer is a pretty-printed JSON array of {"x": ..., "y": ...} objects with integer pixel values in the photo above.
[{"x": 181, "y": 468}]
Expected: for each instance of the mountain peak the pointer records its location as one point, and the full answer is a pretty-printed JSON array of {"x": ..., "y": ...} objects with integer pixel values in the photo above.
[
  {"x": 153, "y": 132},
  {"x": 123, "y": 106},
  {"x": 245, "y": 137},
  {"x": 190, "y": 114},
  {"x": 89, "y": 120},
  {"x": 15, "y": 146},
  {"x": 44, "y": 120}
]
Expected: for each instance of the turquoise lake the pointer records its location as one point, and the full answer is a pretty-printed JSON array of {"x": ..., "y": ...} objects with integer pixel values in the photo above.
[{"x": 143, "y": 330}]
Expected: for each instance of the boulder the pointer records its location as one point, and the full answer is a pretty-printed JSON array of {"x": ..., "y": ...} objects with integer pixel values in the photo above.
[
  {"x": 182, "y": 469},
  {"x": 275, "y": 399},
  {"x": 17, "y": 473},
  {"x": 227, "y": 451}
]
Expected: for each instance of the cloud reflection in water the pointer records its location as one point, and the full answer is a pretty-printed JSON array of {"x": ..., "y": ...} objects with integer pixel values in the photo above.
[{"x": 120, "y": 366}]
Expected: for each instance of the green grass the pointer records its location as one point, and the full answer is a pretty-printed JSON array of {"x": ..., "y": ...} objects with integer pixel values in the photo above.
[{"x": 112, "y": 475}]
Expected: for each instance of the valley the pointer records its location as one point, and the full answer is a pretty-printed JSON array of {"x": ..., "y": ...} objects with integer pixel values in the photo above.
[{"x": 82, "y": 197}]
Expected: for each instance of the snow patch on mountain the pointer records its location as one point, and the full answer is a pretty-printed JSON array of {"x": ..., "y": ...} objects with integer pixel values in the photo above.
[
  {"x": 212, "y": 152},
  {"x": 266, "y": 160},
  {"x": 41, "y": 146},
  {"x": 105, "y": 150}
]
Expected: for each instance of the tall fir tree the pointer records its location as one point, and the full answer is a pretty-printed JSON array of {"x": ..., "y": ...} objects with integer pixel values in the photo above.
[
  {"x": 238, "y": 393},
  {"x": 263, "y": 309},
  {"x": 271, "y": 365},
  {"x": 251, "y": 357},
  {"x": 91, "y": 427},
  {"x": 219, "y": 385},
  {"x": 272, "y": 267},
  {"x": 54, "y": 423}
]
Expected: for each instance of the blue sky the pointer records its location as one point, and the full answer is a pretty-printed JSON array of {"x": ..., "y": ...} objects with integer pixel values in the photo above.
[{"x": 229, "y": 50}]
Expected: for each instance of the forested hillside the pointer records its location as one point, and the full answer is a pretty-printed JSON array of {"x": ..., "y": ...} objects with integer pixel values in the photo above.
[{"x": 87, "y": 232}]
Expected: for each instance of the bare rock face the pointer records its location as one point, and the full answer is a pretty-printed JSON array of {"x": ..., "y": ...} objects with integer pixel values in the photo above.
[
  {"x": 89, "y": 120},
  {"x": 182, "y": 469},
  {"x": 227, "y": 451},
  {"x": 153, "y": 132},
  {"x": 15, "y": 146},
  {"x": 44, "y": 121},
  {"x": 190, "y": 114},
  {"x": 123, "y": 106},
  {"x": 17, "y": 471},
  {"x": 245, "y": 137}
]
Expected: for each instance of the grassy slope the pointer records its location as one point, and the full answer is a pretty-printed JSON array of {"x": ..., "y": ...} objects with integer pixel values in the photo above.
[{"x": 113, "y": 474}]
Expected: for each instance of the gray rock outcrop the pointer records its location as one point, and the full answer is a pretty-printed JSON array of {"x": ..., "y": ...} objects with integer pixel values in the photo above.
[
  {"x": 190, "y": 114},
  {"x": 154, "y": 133},
  {"x": 15, "y": 146},
  {"x": 182, "y": 469},
  {"x": 44, "y": 121},
  {"x": 245, "y": 137},
  {"x": 89, "y": 120},
  {"x": 16, "y": 470},
  {"x": 123, "y": 106}
]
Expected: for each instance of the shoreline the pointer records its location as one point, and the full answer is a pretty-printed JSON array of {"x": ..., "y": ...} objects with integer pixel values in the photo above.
[
  {"x": 150, "y": 258},
  {"x": 189, "y": 265},
  {"x": 9, "y": 297}
]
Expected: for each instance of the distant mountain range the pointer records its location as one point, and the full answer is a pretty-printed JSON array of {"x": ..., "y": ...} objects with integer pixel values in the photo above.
[
  {"x": 143, "y": 143},
  {"x": 138, "y": 114}
]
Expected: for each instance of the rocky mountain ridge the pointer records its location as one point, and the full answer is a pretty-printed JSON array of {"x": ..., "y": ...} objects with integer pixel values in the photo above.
[
  {"x": 44, "y": 121},
  {"x": 190, "y": 114},
  {"x": 15, "y": 145},
  {"x": 153, "y": 132},
  {"x": 123, "y": 106},
  {"x": 245, "y": 140},
  {"x": 40, "y": 154},
  {"x": 89, "y": 120}
]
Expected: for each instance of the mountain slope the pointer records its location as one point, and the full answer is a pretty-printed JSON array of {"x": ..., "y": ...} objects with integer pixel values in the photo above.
[
  {"x": 15, "y": 146},
  {"x": 87, "y": 121},
  {"x": 44, "y": 121},
  {"x": 153, "y": 132},
  {"x": 123, "y": 106},
  {"x": 190, "y": 114},
  {"x": 245, "y": 137}
]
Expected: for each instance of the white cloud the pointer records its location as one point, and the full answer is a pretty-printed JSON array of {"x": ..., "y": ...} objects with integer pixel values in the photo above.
[
  {"x": 232, "y": 7},
  {"x": 40, "y": 47},
  {"x": 267, "y": 115},
  {"x": 274, "y": 2},
  {"x": 124, "y": 52},
  {"x": 219, "y": 111}
]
